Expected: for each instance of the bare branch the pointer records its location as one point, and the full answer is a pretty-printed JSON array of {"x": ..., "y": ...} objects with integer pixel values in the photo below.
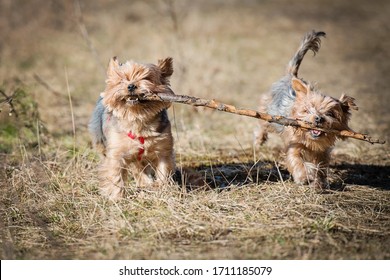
[
  {"x": 9, "y": 100},
  {"x": 85, "y": 34},
  {"x": 47, "y": 86},
  {"x": 194, "y": 101}
]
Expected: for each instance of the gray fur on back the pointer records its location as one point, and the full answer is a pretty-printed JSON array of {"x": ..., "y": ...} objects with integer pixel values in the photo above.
[
  {"x": 96, "y": 123},
  {"x": 283, "y": 97}
]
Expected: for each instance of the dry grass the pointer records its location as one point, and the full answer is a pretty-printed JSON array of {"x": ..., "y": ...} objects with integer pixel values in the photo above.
[{"x": 228, "y": 50}]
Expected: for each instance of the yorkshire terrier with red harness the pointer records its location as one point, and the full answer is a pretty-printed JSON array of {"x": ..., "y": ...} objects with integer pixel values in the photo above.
[{"x": 133, "y": 135}]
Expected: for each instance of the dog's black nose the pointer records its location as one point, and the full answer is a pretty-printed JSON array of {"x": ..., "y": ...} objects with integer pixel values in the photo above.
[
  {"x": 131, "y": 87},
  {"x": 319, "y": 119}
]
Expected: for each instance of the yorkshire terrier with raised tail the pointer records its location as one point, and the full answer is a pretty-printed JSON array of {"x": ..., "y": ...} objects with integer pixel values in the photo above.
[
  {"x": 133, "y": 136},
  {"x": 307, "y": 151}
]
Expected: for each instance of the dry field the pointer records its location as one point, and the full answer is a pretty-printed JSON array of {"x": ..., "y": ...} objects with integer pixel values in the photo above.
[{"x": 53, "y": 56}]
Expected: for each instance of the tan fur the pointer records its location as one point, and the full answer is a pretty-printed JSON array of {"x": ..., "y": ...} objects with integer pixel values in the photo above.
[
  {"x": 307, "y": 151},
  {"x": 307, "y": 157},
  {"x": 124, "y": 114}
]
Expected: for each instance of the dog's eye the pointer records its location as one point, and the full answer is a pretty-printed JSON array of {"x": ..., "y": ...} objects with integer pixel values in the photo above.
[
  {"x": 330, "y": 114},
  {"x": 149, "y": 79}
]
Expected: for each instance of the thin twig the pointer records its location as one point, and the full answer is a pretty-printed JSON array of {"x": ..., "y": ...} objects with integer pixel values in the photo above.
[
  {"x": 47, "y": 86},
  {"x": 194, "y": 101},
  {"x": 71, "y": 111},
  {"x": 39, "y": 140},
  {"x": 9, "y": 100},
  {"x": 85, "y": 34}
]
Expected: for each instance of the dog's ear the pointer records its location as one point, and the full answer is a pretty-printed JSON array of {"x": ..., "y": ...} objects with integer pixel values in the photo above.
[
  {"x": 166, "y": 67},
  {"x": 112, "y": 67},
  {"x": 347, "y": 103},
  {"x": 300, "y": 87}
]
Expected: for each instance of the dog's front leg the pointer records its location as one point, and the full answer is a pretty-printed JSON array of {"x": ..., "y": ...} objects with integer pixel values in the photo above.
[
  {"x": 295, "y": 163},
  {"x": 165, "y": 169},
  {"x": 113, "y": 176}
]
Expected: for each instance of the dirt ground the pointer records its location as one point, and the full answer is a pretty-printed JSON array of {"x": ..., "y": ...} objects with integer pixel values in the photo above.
[{"x": 53, "y": 56}]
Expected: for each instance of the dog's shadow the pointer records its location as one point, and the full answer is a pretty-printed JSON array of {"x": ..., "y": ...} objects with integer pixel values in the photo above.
[
  {"x": 375, "y": 176},
  {"x": 224, "y": 176}
]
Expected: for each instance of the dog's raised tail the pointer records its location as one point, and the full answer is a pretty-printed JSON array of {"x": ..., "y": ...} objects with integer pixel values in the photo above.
[{"x": 311, "y": 41}]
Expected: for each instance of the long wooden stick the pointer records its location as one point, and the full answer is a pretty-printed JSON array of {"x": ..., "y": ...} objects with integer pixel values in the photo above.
[{"x": 194, "y": 101}]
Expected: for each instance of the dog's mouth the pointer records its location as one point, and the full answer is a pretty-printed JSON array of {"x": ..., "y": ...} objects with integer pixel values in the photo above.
[
  {"x": 315, "y": 133},
  {"x": 134, "y": 100}
]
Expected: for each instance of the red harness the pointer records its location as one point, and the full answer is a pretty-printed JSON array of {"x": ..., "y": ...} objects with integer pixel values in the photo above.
[{"x": 141, "y": 139}]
